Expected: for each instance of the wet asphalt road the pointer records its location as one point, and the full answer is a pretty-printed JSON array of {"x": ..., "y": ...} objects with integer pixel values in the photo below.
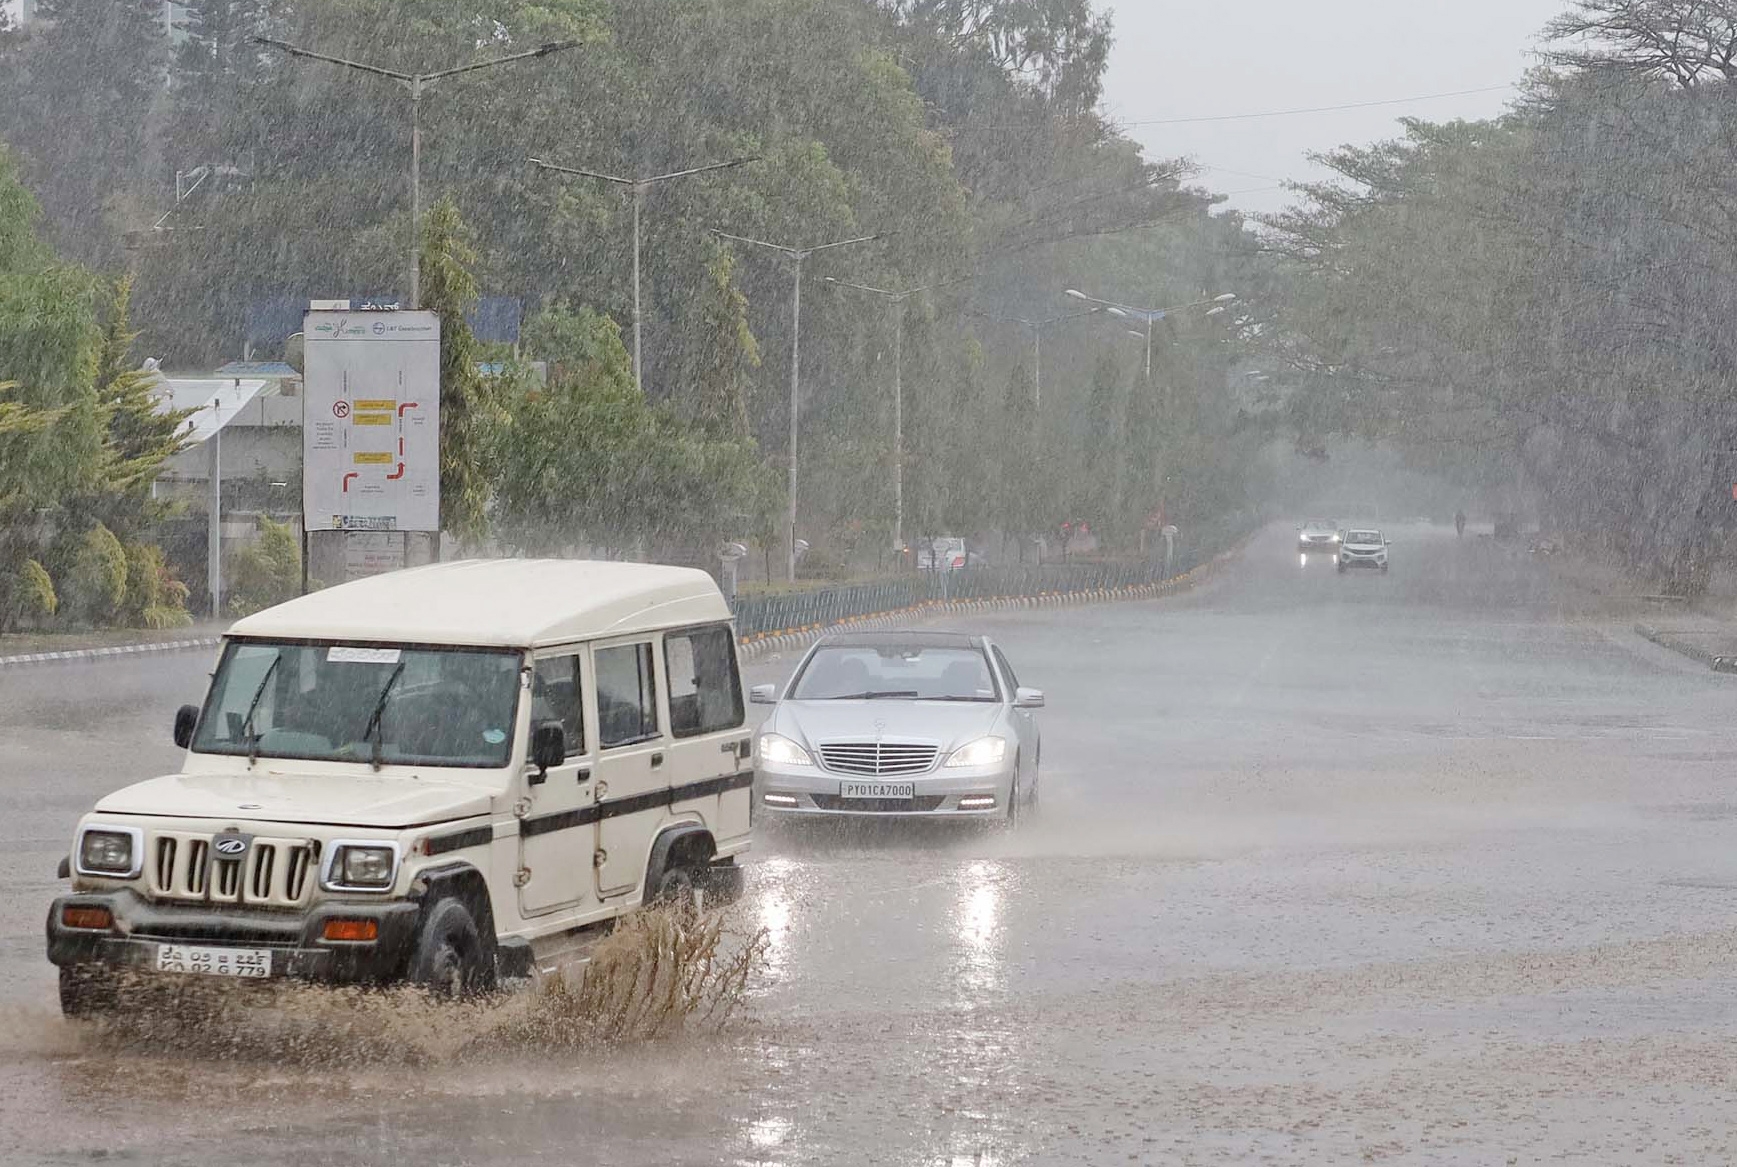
[{"x": 1431, "y": 867}]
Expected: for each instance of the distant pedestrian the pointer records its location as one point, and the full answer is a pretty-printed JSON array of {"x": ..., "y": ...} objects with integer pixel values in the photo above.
[{"x": 1460, "y": 524}]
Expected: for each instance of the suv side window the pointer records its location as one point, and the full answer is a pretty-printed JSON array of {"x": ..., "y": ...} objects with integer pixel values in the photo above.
[
  {"x": 555, "y": 696},
  {"x": 626, "y": 695},
  {"x": 1006, "y": 669},
  {"x": 704, "y": 693}
]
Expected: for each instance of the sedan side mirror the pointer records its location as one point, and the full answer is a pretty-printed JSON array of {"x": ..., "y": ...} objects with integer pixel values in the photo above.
[
  {"x": 548, "y": 748},
  {"x": 763, "y": 695},
  {"x": 1028, "y": 699},
  {"x": 186, "y": 719}
]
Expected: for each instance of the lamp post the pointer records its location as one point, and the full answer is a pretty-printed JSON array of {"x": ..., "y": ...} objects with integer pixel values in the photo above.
[
  {"x": 800, "y": 256},
  {"x": 897, "y": 300},
  {"x": 415, "y": 83},
  {"x": 638, "y": 186},
  {"x": 1150, "y": 316},
  {"x": 1036, "y": 328}
]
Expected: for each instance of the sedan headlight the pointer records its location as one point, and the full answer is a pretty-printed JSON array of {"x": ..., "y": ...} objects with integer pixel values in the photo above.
[
  {"x": 361, "y": 866},
  {"x": 781, "y": 751},
  {"x": 109, "y": 851},
  {"x": 985, "y": 751}
]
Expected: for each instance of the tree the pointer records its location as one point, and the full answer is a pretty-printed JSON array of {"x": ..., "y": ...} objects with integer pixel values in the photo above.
[
  {"x": 1686, "y": 42},
  {"x": 467, "y": 406},
  {"x": 587, "y": 461},
  {"x": 728, "y": 353}
]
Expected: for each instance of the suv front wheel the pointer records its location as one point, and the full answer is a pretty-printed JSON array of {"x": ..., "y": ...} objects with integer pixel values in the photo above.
[{"x": 450, "y": 959}]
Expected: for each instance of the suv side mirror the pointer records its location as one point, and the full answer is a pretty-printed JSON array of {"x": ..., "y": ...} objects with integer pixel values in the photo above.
[
  {"x": 1028, "y": 699},
  {"x": 548, "y": 748},
  {"x": 763, "y": 695},
  {"x": 186, "y": 719}
]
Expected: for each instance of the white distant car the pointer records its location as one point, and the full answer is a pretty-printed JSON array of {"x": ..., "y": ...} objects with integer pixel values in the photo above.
[
  {"x": 1363, "y": 548},
  {"x": 1318, "y": 535}
]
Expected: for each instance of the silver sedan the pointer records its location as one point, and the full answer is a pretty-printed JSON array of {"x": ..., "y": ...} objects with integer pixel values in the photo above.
[{"x": 900, "y": 724}]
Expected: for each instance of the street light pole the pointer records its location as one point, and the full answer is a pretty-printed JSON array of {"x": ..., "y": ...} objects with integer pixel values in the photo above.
[
  {"x": 415, "y": 84},
  {"x": 800, "y": 256},
  {"x": 897, "y": 300},
  {"x": 1036, "y": 327},
  {"x": 638, "y": 187}
]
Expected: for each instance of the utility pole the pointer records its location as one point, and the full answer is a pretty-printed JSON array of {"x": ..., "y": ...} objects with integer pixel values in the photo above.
[
  {"x": 638, "y": 187},
  {"x": 800, "y": 256},
  {"x": 415, "y": 84},
  {"x": 897, "y": 300}
]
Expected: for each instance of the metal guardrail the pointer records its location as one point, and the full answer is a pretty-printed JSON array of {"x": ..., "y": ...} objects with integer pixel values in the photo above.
[{"x": 818, "y": 607}]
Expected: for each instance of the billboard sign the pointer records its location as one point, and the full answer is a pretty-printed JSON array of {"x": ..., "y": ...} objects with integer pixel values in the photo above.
[{"x": 371, "y": 427}]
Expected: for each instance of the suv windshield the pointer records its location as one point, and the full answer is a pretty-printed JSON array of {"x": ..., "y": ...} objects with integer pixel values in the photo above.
[
  {"x": 1369, "y": 537},
  {"x": 354, "y": 703},
  {"x": 912, "y": 672}
]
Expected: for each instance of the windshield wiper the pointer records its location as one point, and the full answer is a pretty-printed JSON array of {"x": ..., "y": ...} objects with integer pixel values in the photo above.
[
  {"x": 247, "y": 733},
  {"x": 374, "y": 728},
  {"x": 878, "y": 695}
]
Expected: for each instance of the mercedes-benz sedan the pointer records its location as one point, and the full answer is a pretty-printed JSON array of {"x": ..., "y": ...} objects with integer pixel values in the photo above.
[{"x": 904, "y": 724}]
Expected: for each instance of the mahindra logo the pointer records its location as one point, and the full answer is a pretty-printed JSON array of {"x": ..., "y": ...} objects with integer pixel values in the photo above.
[{"x": 230, "y": 845}]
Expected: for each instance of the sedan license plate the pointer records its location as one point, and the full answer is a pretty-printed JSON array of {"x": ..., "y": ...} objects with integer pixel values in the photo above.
[
  {"x": 877, "y": 790},
  {"x": 252, "y": 963}
]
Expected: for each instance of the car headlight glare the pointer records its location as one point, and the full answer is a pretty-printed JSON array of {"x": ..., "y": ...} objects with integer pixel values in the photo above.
[
  {"x": 106, "y": 852},
  {"x": 781, "y": 751},
  {"x": 361, "y": 866},
  {"x": 985, "y": 751}
]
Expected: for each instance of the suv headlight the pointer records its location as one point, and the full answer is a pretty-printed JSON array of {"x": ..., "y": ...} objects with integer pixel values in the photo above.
[
  {"x": 112, "y": 851},
  {"x": 985, "y": 751},
  {"x": 781, "y": 751},
  {"x": 360, "y": 867}
]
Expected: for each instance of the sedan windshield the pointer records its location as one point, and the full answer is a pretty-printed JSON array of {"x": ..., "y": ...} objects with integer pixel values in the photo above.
[
  {"x": 911, "y": 672},
  {"x": 354, "y": 703}
]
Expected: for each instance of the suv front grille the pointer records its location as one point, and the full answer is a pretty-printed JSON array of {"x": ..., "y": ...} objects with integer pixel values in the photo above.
[
  {"x": 275, "y": 873},
  {"x": 877, "y": 758}
]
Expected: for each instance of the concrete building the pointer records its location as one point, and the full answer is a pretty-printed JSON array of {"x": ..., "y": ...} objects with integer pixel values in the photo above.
[{"x": 243, "y": 459}]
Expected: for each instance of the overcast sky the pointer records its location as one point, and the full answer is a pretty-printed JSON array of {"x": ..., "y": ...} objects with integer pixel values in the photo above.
[{"x": 1187, "y": 59}]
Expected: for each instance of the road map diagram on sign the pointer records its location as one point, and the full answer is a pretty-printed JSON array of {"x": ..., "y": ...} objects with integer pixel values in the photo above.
[{"x": 371, "y": 435}]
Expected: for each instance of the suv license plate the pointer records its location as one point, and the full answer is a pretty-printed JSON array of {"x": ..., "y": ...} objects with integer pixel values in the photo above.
[
  {"x": 877, "y": 790},
  {"x": 214, "y": 962}
]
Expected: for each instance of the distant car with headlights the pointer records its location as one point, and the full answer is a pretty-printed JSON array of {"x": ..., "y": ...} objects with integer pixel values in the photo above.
[
  {"x": 900, "y": 725},
  {"x": 442, "y": 776},
  {"x": 1363, "y": 547},
  {"x": 1318, "y": 535}
]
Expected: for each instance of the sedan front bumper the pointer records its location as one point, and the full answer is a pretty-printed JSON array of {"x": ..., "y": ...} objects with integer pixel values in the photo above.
[{"x": 810, "y": 791}]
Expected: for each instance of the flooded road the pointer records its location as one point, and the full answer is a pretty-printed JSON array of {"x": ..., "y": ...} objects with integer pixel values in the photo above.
[{"x": 1436, "y": 866}]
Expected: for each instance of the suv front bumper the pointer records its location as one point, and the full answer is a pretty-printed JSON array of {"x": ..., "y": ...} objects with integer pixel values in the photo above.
[{"x": 295, "y": 939}]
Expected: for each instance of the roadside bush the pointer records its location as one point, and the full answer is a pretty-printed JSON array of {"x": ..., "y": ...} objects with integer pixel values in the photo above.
[
  {"x": 268, "y": 571},
  {"x": 33, "y": 593},
  {"x": 93, "y": 587},
  {"x": 155, "y": 598}
]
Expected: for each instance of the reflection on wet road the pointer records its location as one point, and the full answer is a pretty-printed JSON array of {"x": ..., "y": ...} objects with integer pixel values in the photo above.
[{"x": 1432, "y": 866}]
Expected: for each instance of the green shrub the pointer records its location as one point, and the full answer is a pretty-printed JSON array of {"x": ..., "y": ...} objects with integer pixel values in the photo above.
[
  {"x": 94, "y": 585},
  {"x": 155, "y": 598},
  {"x": 267, "y": 571},
  {"x": 34, "y": 592}
]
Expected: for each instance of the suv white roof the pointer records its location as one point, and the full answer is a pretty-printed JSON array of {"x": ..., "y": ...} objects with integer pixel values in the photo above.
[{"x": 514, "y": 603}]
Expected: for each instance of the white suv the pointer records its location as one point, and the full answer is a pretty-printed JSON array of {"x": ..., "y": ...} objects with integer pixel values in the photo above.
[
  {"x": 442, "y": 775},
  {"x": 1363, "y": 548}
]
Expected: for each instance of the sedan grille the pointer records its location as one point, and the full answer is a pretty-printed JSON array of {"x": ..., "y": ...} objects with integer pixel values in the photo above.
[
  {"x": 877, "y": 758},
  {"x": 920, "y": 805},
  {"x": 274, "y": 873}
]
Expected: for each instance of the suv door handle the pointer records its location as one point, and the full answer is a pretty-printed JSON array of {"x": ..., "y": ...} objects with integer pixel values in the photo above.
[{"x": 656, "y": 761}]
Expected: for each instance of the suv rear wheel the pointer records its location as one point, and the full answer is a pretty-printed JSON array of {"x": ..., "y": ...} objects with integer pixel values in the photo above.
[{"x": 450, "y": 959}]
